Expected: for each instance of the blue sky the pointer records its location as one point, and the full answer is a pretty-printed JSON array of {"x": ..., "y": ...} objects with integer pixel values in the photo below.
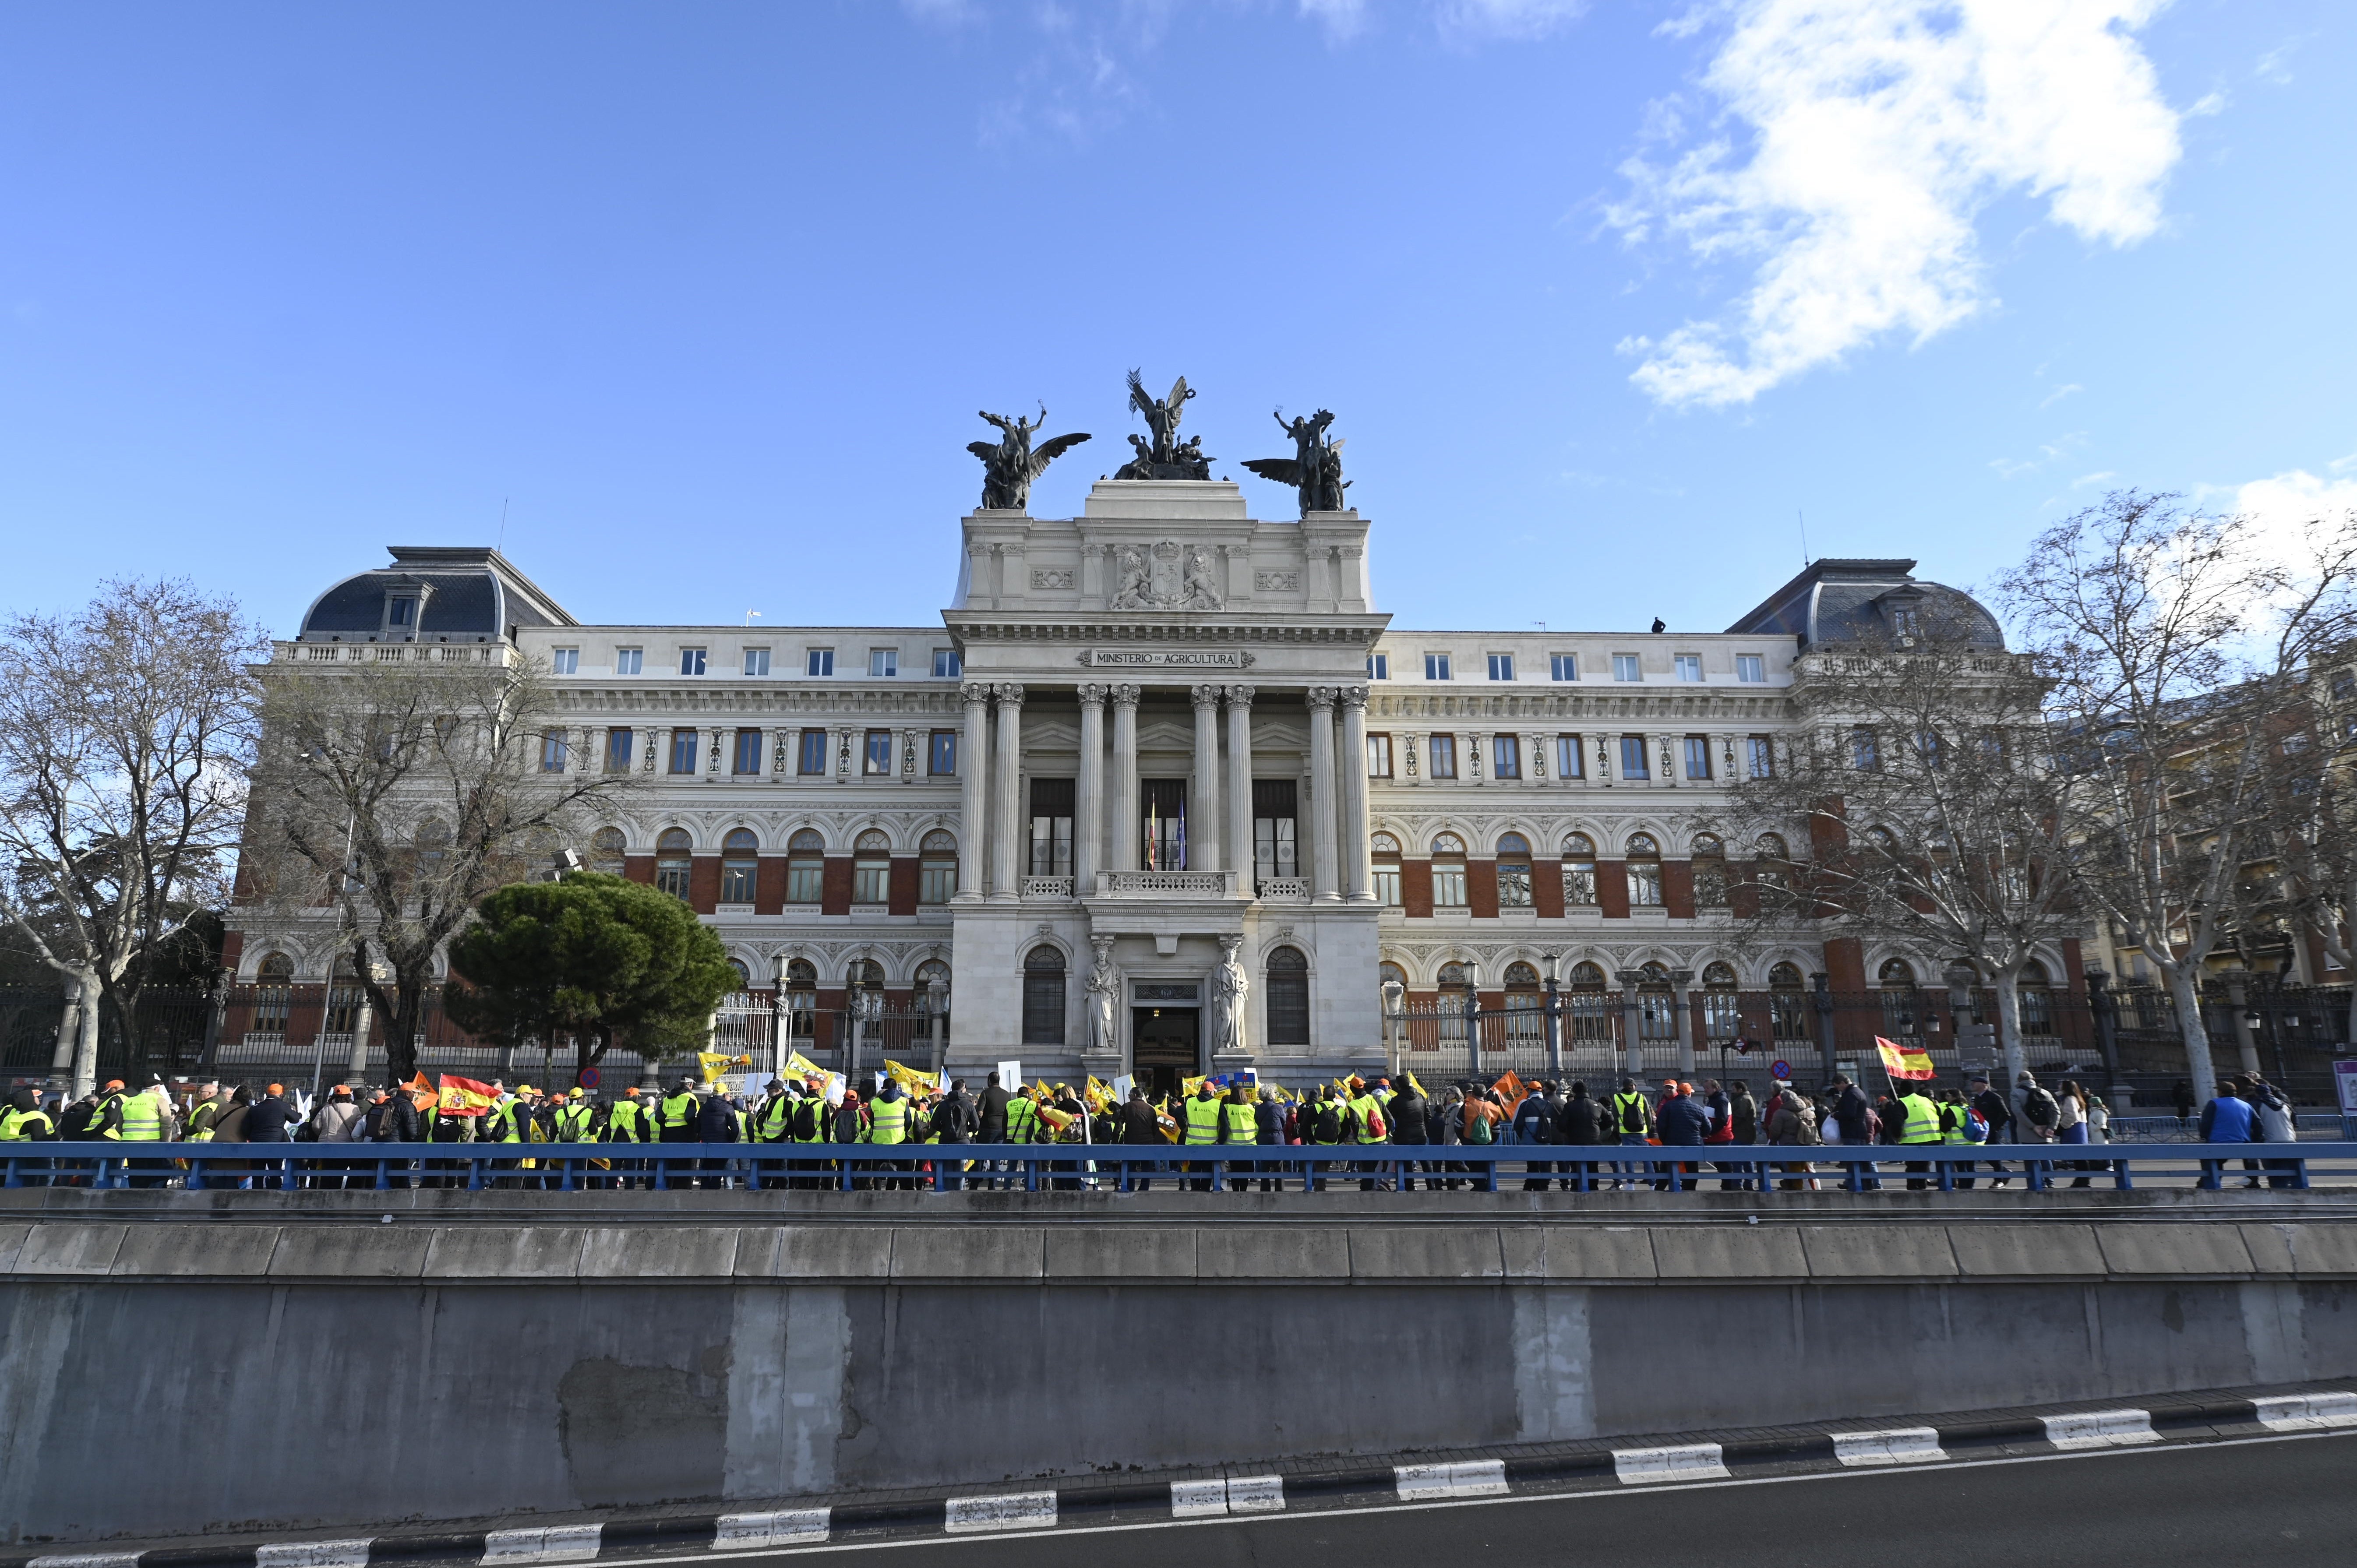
[{"x": 1605, "y": 296}]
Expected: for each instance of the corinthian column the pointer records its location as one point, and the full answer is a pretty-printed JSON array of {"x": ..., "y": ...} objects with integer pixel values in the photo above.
[
  {"x": 1203, "y": 810},
  {"x": 1240, "y": 800},
  {"x": 1006, "y": 826},
  {"x": 1088, "y": 827},
  {"x": 1358, "y": 868},
  {"x": 1322, "y": 811},
  {"x": 973, "y": 775},
  {"x": 1123, "y": 855}
]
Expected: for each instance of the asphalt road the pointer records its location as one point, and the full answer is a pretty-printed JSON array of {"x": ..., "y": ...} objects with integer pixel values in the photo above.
[{"x": 2274, "y": 1501}]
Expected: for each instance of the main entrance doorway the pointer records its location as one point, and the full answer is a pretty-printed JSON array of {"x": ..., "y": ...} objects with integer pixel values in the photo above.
[{"x": 1168, "y": 1047}]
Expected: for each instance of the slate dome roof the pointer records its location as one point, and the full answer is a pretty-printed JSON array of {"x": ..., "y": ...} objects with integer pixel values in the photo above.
[
  {"x": 1835, "y": 601},
  {"x": 468, "y": 594}
]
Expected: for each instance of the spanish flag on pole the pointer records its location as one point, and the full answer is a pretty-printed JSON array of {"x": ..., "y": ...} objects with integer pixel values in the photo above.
[
  {"x": 1904, "y": 1062},
  {"x": 465, "y": 1097}
]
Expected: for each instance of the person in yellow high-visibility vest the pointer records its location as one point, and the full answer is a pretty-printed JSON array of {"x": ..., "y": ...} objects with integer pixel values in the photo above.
[
  {"x": 1921, "y": 1126},
  {"x": 1239, "y": 1124},
  {"x": 888, "y": 1123},
  {"x": 1368, "y": 1125},
  {"x": 1204, "y": 1118}
]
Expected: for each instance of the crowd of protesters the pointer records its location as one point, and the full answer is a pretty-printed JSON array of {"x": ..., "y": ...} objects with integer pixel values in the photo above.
[{"x": 1672, "y": 1115}]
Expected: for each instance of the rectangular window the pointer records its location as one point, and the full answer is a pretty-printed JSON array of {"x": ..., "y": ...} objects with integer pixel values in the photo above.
[
  {"x": 883, "y": 661},
  {"x": 691, "y": 662},
  {"x": 1632, "y": 757},
  {"x": 1387, "y": 883},
  {"x": 1759, "y": 756},
  {"x": 1689, "y": 666},
  {"x": 1501, "y": 667},
  {"x": 629, "y": 660},
  {"x": 1579, "y": 883},
  {"x": 947, "y": 664},
  {"x": 1864, "y": 756},
  {"x": 1442, "y": 751},
  {"x": 552, "y": 752},
  {"x": 1514, "y": 885},
  {"x": 1569, "y": 761},
  {"x": 401, "y": 614},
  {"x": 819, "y": 661},
  {"x": 1506, "y": 756},
  {"x": 736, "y": 877},
  {"x": 1379, "y": 666},
  {"x": 1563, "y": 666},
  {"x": 876, "y": 757},
  {"x": 1276, "y": 828},
  {"x": 805, "y": 879},
  {"x": 1624, "y": 668},
  {"x": 1052, "y": 826},
  {"x": 1448, "y": 885},
  {"x": 1699, "y": 756},
  {"x": 813, "y": 756},
  {"x": 1751, "y": 669},
  {"x": 1644, "y": 885},
  {"x": 940, "y": 753},
  {"x": 937, "y": 881},
  {"x": 1379, "y": 757},
  {"x": 1435, "y": 667},
  {"x": 871, "y": 879},
  {"x": 748, "y": 751},
  {"x": 757, "y": 662},
  {"x": 683, "y": 751},
  {"x": 619, "y": 745},
  {"x": 564, "y": 660}
]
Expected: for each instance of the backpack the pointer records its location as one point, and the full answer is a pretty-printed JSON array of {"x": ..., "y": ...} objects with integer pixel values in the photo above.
[
  {"x": 1330, "y": 1123},
  {"x": 1477, "y": 1130},
  {"x": 805, "y": 1120},
  {"x": 2039, "y": 1107}
]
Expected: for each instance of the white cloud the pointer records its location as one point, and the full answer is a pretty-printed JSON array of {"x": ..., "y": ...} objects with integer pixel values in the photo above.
[
  {"x": 2280, "y": 508},
  {"x": 1507, "y": 18},
  {"x": 2058, "y": 394},
  {"x": 1342, "y": 19},
  {"x": 1878, "y": 132}
]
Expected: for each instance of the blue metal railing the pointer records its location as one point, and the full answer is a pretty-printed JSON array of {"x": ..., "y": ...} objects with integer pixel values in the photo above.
[{"x": 1033, "y": 1167}]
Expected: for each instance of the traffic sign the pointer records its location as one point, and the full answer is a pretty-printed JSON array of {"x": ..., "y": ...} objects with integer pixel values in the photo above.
[
  {"x": 1780, "y": 1068},
  {"x": 588, "y": 1077}
]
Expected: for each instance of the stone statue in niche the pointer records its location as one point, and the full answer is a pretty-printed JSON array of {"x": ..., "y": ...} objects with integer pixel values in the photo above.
[{"x": 1230, "y": 986}]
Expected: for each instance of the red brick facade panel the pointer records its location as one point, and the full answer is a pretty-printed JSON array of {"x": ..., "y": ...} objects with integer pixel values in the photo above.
[
  {"x": 835, "y": 889},
  {"x": 1612, "y": 888},
  {"x": 769, "y": 885},
  {"x": 703, "y": 884},
  {"x": 903, "y": 885},
  {"x": 1546, "y": 889},
  {"x": 1677, "y": 890},
  {"x": 1481, "y": 888},
  {"x": 1415, "y": 888}
]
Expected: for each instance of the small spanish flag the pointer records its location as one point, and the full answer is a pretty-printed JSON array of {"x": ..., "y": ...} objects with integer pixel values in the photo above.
[
  {"x": 1904, "y": 1062},
  {"x": 465, "y": 1097}
]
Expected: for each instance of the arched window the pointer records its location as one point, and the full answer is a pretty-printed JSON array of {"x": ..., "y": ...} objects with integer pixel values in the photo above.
[
  {"x": 1387, "y": 869},
  {"x": 1389, "y": 974},
  {"x": 738, "y": 865},
  {"x": 2036, "y": 1000},
  {"x": 1587, "y": 977},
  {"x": 1722, "y": 1010},
  {"x": 1522, "y": 977},
  {"x": 1788, "y": 1001},
  {"x": 1644, "y": 869},
  {"x": 1657, "y": 1012},
  {"x": 744, "y": 975},
  {"x": 1771, "y": 847},
  {"x": 806, "y": 867},
  {"x": 1579, "y": 871},
  {"x": 801, "y": 995},
  {"x": 1710, "y": 872},
  {"x": 864, "y": 974},
  {"x": 607, "y": 846},
  {"x": 871, "y": 868},
  {"x": 1043, "y": 997},
  {"x": 1448, "y": 872},
  {"x": 1897, "y": 973},
  {"x": 1526, "y": 1019},
  {"x": 931, "y": 970},
  {"x": 274, "y": 996},
  {"x": 1455, "y": 976},
  {"x": 1773, "y": 872},
  {"x": 673, "y": 863},
  {"x": 1288, "y": 997},
  {"x": 1514, "y": 872},
  {"x": 433, "y": 842},
  {"x": 937, "y": 868}
]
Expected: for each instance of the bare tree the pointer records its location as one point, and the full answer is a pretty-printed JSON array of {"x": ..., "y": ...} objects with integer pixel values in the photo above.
[
  {"x": 124, "y": 732},
  {"x": 1924, "y": 791},
  {"x": 2175, "y": 649},
  {"x": 391, "y": 797}
]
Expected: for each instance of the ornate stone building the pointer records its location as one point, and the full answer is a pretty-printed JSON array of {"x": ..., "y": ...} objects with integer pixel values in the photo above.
[{"x": 1162, "y": 790}]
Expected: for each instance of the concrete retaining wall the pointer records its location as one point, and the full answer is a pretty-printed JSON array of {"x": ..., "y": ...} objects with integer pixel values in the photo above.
[{"x": 160, "y": 1376}]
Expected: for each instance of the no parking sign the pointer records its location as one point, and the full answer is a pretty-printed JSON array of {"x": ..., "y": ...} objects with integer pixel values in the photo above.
[{"x": 1780, "y": 1069}]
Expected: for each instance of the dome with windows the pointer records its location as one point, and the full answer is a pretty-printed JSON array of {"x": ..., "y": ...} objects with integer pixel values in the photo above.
[
  {"x": 433, "y": 593},
  {"x": 1836, "y": 601}
]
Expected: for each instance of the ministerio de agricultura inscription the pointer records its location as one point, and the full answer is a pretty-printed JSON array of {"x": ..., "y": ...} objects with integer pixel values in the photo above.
[{"x": 1192, "y": 658}]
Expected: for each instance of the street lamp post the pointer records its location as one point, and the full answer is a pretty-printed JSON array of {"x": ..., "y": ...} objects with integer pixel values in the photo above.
[
  {"x": 2105, "y": 1008},
  {"x": 778, "y": 1025},
  {"x": 1554, "y": 1016},
  {"x": 1473, "y": 1017},
  {"x": 1394, "y": 1020}
]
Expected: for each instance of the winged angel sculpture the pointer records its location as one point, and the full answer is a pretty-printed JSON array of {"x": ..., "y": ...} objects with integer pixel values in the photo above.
[
  {"x": 1315, "y": 470},
  {"x": 1010, "y": 465},
  {"x": 1166, "y": 456}
]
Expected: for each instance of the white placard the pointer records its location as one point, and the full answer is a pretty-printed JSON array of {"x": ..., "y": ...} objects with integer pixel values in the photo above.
[{"x": 1010, "y": 1075}]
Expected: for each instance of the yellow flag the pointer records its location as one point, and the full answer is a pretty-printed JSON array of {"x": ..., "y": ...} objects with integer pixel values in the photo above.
[
  {"x": 802, "y": 1065},
  {"x": 1187, "y": 1087},
  {"x": 1417, "y": 1087},
  {"x": 909, "y": 1078},
  {"x": 714, "y": 1063}
]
